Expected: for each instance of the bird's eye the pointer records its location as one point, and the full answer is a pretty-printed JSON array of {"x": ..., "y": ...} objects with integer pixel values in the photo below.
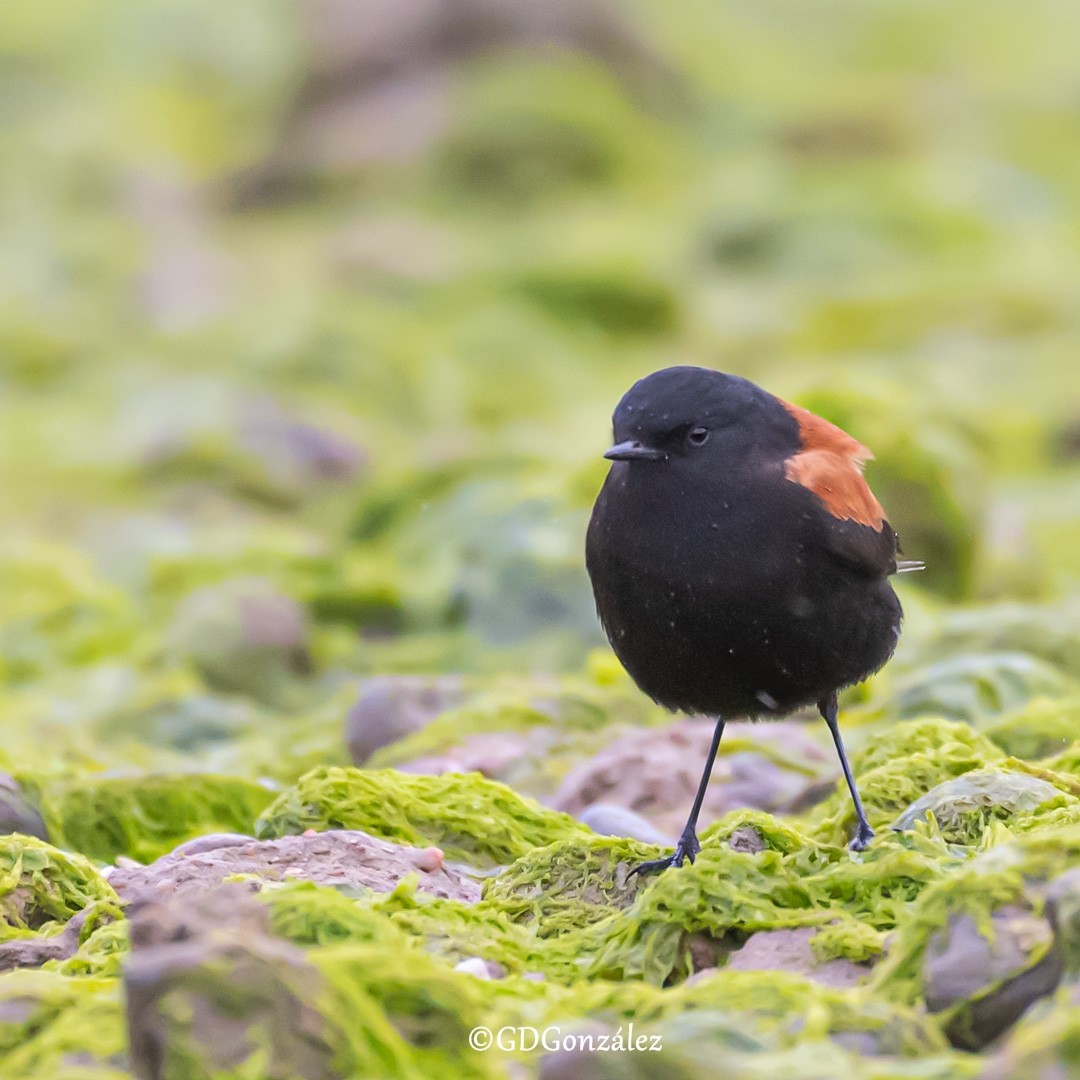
[{"x": 698, "y": 436}]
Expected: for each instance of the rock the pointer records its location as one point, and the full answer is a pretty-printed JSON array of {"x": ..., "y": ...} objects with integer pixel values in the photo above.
[
  {"x": 790, "y": 950},
  {"x": 1063, "y": 913},
  {"x": 389, "y": 707},
  {"x": 965, "y": 805},
  {"x": 244, "y": 636},
  {"x": 650, "y": 772},
  {"x": 993, "y": 978},
  {"x": 490, "y": 753},
  {"x": 607, "y": 819},
  {"x": 210, "y": 989},
  {"x": 1042, "y": 1046},
  {"x": 16, "y": 813},
  {"x": 35, "y": 951},
  {"x": 337, "y": 857},
  {"x": 746, "y": 839},
  {"x": 212, "y": 842},
  {"x": 481, "y": 969}
]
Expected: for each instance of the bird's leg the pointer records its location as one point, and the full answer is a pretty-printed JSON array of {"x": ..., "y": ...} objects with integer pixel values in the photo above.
[
  {"x": 863, "y": 834},
  {"x": 688, "y": 846}
]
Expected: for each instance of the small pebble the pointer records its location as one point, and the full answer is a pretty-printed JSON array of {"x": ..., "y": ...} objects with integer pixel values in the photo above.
[
  {"x": 609, "y": 819},
  {"x": 474, "y": 966},
  {"x": 429, "y": 859}
]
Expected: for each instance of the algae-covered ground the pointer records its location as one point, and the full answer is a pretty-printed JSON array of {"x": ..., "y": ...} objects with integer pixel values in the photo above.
[{"x": 313, "y": 760}]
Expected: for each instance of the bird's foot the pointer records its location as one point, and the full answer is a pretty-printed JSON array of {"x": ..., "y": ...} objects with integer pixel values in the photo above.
[
  {"x": 863, "y": 835},
  {"x": 685, "y": 850}
]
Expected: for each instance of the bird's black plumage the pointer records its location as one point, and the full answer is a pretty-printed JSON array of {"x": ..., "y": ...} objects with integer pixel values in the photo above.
[{"x": 739, "y": 561}]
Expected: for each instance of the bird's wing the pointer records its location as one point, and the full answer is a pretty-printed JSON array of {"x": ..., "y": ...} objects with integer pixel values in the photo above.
[
  {"x": 871, "y": 552},
  {"x": 830, "y": 463}
]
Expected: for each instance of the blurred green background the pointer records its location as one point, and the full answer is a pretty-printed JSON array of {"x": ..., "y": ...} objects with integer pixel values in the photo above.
[{"x": 312, "y": 315}]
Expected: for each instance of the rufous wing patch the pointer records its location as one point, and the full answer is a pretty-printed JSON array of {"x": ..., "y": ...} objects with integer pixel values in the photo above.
[{"x": 830, "y": 464}]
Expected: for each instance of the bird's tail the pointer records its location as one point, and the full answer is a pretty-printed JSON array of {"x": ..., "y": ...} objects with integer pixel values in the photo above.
[{"x": 909, "y": 566}]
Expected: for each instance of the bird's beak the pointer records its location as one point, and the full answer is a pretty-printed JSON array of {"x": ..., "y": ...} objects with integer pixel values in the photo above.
[{"x": 631, "y": 450}]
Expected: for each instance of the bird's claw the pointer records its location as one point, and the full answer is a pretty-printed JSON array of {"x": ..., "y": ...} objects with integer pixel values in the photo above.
[
  {"x": 863, "y": 835},
  {"x": 686, "y": 850}
]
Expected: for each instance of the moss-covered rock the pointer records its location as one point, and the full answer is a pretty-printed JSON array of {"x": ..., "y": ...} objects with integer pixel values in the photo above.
[
  {"x": 41, "y": 887},
  {"x": 898, "y": 766},
  {"x": 144, "y": 817},
  {"x": 569, "y": 884},
  {"x": 472, "y": 819},
  {"x": 53, "y": 1025},
  {"x": 964, "y": 806}
]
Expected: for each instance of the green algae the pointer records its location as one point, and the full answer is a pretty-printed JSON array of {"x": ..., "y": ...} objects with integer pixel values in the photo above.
[
  {"x": 42, "y": 886},
  {"x": 472, "y": 819},
  {"x": 309, "y": 914},
  {"x": 1043, "y": 727},
  {"x": 144, "y": 817},
  {"x": 798, "y": 1009},
  {"x": 410, "y": 1020},
  {"x": 899, "y": 766},
  {"x": 100, "y": 953},
  {"x": 1000, "y": 875},
  {"x": 53, "y": 1026},
  {"x": 978, "y": 688},
  {"x": 727, "y": 894},
  {"x": 965, "y": 806},
  {"x": 569, "y": 885},
  {"x": 57, "y": 612}
]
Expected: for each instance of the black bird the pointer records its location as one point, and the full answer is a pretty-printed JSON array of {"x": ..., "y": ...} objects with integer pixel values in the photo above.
[{"x": 739, "y": 560}]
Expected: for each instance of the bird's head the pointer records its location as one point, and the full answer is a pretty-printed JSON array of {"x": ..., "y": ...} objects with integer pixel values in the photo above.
[{"x": 698, "y": 415}]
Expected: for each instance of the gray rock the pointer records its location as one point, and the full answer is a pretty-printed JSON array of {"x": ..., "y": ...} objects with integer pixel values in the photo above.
[
  {"x": 35, "y": 951},
  {"x": 390, "y": 707},
  {"x": 965, "y": 805},
  {"x": 16, "y": 813},
  {"x": 790, "y": 950},
  {"x": 1063, "y": 912},
  {"x": 608, "y": 819},
  {"x": 993, "y": 978},
  {"x": 747, "y": 840}
]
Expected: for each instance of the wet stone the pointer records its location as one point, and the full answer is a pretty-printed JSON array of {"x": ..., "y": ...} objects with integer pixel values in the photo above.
[
  {"x": 965, "y": 805},
  {"x": 16, "y": 813},
  {"x": 790, "y": 950},
  {"x": 992, "y": 977},
  {"x": 608, "y": 819},
  {"x": 389, "y": 707}
]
